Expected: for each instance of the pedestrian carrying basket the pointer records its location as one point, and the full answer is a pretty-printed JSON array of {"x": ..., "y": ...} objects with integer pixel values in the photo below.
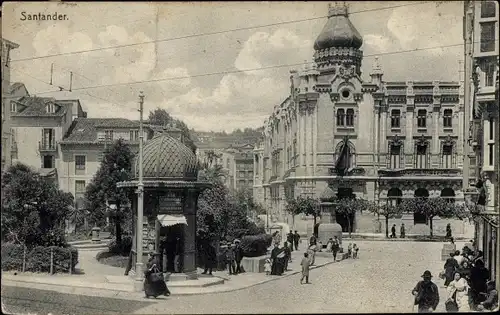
[{"x": 156, "y": 275}]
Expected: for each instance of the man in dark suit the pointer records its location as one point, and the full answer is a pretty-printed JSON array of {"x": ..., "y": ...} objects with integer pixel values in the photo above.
[
  {"x": 238, "y": 256},
  {"x": 296, "y": 239}
]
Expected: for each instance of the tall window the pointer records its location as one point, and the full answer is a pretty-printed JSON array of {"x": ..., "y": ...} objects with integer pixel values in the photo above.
[
  {"x": 492, "y": 128},
  {"x": 48, "y": 161},
  {"x": 108, "y": 135},
  {"x": 349, "y": 118},
  {"x": 257, "y": 165},
  {"x": 80, "y": 161},
  {"x": 48, "y": 138},
  {"x": 13, "y": 107},
  {"x": 491, "y": 153},
  {"x": 487, "y": 42},
  {"x": 134, "y": 135},
  {"x": 395, "y": 118},
  {"x": 488, "y": 9},
  {"x": 489, "y": 75},
  {"x": 421, "y": 156},
  {"x": 395, "y": 157},
  {"x": 340, "y": 117},
  {"x": 422, "y": 118},
  {"x": 447, "y": 158},
  {"x": 447, "y": 118},
  {"x": 79, "y": 189}
]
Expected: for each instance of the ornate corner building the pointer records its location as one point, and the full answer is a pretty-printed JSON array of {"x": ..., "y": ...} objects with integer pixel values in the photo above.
[
  {"x": 394, "y": 139},
  {"x": 481, "y": 31}
]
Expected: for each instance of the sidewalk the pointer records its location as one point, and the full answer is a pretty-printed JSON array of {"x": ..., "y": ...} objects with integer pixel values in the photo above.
[
  {"x": 108, "y": 281},
  {"x": 408, "y": 238}
]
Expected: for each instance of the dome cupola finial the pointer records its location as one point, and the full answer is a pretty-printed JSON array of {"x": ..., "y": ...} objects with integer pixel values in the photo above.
[{"x": 338, "y": 8}]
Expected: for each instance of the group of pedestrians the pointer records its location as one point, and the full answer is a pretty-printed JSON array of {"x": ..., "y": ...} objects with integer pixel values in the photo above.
[
  {"x": 466, "y": 282},
  {"x": 402, "y": 231}
]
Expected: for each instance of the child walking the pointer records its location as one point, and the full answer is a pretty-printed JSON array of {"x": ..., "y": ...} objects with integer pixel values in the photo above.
[
  {"x": 267, "y": 267},
  {"x": 355, "y": 250},
  {"x": 305, "y": 263}
]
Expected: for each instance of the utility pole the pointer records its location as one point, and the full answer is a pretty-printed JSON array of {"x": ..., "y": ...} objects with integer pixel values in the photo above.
[
  {"x": 140, "y": 195},
  {"x": 467, "y": 90}
]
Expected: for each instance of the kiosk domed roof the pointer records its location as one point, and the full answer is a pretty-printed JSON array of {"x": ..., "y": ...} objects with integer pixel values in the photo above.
[
  {"x": 167, "y": 158},
  {"x": 327, "y": 195},
  {"x": 338, "y": 31}
]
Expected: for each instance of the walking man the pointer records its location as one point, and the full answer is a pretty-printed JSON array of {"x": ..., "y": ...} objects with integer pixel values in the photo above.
[
  {"x": 238, "y": 255},
  {"x": 335, "y": 248},
  {"x": 402, "y": 230},
  {"x": 393, "y": 231},
  {"x": 305, "y": 263},
  {"x": 426, "y": 294},
  {"x": 288, "y": 255},
  {"x": 289, "y": 239},
  {"x": 296, "y": 239}
]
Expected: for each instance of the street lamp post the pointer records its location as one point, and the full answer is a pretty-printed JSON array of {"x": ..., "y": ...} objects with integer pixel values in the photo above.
[{"x": 140, "y": 194}]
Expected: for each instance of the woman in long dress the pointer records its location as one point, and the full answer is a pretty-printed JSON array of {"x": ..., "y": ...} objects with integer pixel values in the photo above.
[
  {"x": 278, "y": 258},
  {"x": 458, "y": 290},
  {"x": 154, "y": 284},
  {"x": 450, "y": 267}
]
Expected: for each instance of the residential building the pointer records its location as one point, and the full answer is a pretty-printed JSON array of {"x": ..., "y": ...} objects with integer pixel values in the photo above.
[
  {"x": 236, "y": 161},
  {"x": 481, "y": 41},
  {"x": 7, "y": 46},
  {"x": 374, "y": 139},
  {"x": 83, "y": 147},
  {"x": 38, "y": 124}
]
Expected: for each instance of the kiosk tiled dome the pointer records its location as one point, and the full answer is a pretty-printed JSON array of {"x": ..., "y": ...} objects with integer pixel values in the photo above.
[
  {"x": 167, "y": 158},
  {"x": 338, "y": 31}
]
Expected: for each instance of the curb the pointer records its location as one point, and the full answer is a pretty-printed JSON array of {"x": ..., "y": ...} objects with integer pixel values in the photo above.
[{"x": 119, "y": 293}]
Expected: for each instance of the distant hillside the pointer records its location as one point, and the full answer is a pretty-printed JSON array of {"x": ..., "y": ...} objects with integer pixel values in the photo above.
[{"x": 223, "y": 139}]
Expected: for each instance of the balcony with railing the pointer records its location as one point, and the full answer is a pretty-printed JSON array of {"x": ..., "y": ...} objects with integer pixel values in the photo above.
[{"x": 47, "y": 146}]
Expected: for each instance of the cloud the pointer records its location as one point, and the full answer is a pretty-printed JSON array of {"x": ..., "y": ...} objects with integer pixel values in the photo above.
[
  {"x": 418, "y": 28},
  {"x": 379, "y": 43},
  {"x": 264, "y": 49}
]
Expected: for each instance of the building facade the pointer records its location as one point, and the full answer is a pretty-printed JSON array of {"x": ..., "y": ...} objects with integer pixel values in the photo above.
[
  {"x": 481, "y": 31},
  {"x": 236, "y": 162},
  {"x": 395, "y": 139},
  {"x": 7, "y": 46},
  {"x": 38, "y": 124}
]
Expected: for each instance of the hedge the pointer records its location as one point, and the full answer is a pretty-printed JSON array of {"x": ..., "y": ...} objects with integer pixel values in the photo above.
[
  {"x": 124, "y": 249},
  {"x": 38, "y": 258},
  {"x": 255, "y": 245}
]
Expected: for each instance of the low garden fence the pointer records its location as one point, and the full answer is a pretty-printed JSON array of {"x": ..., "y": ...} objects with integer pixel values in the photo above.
[{"x": 50, "y": 259}]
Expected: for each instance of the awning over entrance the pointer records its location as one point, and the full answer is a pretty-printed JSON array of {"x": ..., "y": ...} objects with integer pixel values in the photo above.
[{"x": 169, "y": 219}]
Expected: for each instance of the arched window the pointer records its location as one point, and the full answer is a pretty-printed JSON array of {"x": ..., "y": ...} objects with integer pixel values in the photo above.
[
  {"x": 349, "y": 118},
  {"x": 422, "y": 118},
  {"x": 351, "y": 153},
  {"x": 448, "y": 194},
  {"x": 340, "y": 117},
  {"x": 395, "y": 156},
  {"x": 394, "y": 196},
  {"x": 447, "y": 118},
  {"x": 395, "y": 118},
  {"x": 419, "y": 217},
  {"x": 447, "y": 160}
]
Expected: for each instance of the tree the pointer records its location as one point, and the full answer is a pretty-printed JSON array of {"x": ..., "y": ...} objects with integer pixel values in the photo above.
[
  {"x": 34, "y": 210},
  {"x": 432, "y": 207},
  {"x": 349, "y": 206},
  {"x": 116, "y": 167},
  {"x": 294, "y": 208},
  {"x": 160, "y": 117},
  {"x": 387, "y": 210},
  {"x": 310, "y": 206}
]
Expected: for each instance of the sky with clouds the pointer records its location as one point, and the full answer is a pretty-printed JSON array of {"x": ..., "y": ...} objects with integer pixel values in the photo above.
[{"x": 232, "y": 97}]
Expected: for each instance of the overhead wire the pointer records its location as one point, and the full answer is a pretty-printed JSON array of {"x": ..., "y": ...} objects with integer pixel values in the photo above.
[{"x": 210, "y": 33}]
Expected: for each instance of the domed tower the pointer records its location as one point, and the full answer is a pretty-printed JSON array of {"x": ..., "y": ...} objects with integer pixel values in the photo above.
[{"x": 338, "y": 45}]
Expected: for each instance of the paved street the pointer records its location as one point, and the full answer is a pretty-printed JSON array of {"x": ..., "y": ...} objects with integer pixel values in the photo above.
[
  {"x": 18, "y": 300},
  {"x": 384, "y": 275}
]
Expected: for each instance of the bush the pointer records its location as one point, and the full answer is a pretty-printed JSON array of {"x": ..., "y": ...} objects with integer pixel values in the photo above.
[
  {"x": 38, "y": 258},
  {"x": 255, "y": 245},
  {"x": 124, "y": 249}
]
